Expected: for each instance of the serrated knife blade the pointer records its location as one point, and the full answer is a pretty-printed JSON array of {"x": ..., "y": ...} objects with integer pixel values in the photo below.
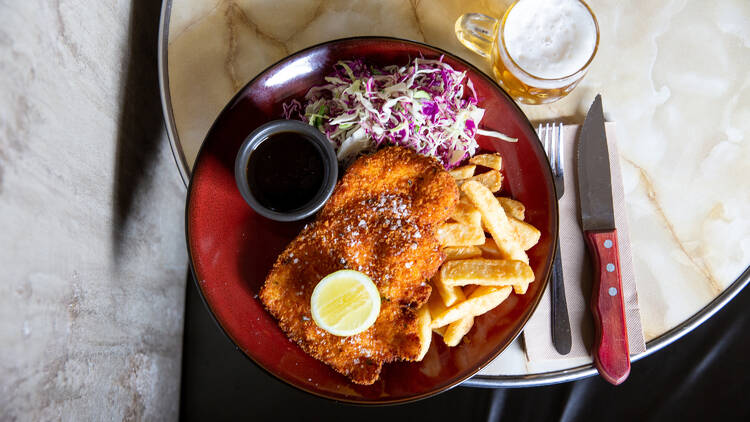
[{"x": 594, "y": 180}]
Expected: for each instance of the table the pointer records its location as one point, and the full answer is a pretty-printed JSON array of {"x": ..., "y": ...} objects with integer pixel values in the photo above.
[
  {"x": 92, "y": 243},
  {"x": 681, "y": 117}
]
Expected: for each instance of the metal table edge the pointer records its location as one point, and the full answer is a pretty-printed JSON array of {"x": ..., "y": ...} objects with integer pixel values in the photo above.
[
  {"x": 584, "y": 371},
  {"x": 483, "y": 381},
  {"x": 166, "y": 98}
]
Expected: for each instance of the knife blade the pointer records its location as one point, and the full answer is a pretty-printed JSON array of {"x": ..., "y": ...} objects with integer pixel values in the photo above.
[{"x": 611, "y": 351}]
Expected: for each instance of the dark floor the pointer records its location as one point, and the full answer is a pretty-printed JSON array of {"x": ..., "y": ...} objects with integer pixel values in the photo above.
[{"x": 704, "y": 376}]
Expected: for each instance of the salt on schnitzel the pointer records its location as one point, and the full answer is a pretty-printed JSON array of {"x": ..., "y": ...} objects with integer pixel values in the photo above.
[{"x": 381, "y": 220}]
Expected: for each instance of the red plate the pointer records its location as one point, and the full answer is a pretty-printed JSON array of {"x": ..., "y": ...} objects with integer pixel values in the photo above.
[{"x": 232, "y": 248}]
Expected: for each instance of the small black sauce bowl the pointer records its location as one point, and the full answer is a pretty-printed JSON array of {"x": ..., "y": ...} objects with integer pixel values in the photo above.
[{"x": 318, "y": 139}]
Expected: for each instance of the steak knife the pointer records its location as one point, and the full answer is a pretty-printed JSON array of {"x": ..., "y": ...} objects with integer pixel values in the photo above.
[{"x": 611, "y": 352}]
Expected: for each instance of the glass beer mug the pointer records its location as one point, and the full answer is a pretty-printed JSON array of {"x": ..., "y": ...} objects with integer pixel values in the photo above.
[{"x": 539, "y": 50}]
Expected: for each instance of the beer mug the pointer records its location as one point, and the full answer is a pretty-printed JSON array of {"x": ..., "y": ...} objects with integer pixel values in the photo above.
[{"x": 540, "y": 49}]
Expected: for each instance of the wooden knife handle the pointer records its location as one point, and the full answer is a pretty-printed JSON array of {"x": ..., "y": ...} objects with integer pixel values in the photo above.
[{"x": 611, "y": 352}]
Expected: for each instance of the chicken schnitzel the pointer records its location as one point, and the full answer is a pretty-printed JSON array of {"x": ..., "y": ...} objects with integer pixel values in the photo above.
[{"x": 381, "y": 220}]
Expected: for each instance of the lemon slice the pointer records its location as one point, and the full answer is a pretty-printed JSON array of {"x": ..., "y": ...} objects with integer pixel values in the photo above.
[{"x": 345, "y": 303}]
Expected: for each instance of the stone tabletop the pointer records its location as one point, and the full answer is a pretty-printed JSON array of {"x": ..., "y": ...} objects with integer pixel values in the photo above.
[
  {"x": 673, "y": 76},
  {"x": 92, "y": 251}
]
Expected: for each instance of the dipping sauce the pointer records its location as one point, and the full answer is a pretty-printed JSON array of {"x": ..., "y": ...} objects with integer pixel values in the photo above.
[{"x": 285, "y": 172}]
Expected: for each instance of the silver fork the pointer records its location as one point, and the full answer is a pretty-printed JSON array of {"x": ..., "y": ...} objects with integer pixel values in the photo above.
[{"x": 552, "y": 139}]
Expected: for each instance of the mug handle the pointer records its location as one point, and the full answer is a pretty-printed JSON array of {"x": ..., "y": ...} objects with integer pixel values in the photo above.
[{"x": 476, "y": 32}]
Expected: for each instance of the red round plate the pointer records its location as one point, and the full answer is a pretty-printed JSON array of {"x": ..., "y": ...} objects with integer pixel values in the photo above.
[{"x": 232, "y": 248}]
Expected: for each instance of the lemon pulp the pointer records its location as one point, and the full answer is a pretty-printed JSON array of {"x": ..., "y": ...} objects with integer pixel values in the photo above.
[{"x": 345, "y": 303}]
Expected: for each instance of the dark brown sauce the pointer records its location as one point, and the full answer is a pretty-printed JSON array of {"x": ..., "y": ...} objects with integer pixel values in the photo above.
[{"x": 285, "y": 171}]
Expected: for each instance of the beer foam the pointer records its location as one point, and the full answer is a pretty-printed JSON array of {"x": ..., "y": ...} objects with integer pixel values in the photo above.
[{"x": 550, "y": 39}]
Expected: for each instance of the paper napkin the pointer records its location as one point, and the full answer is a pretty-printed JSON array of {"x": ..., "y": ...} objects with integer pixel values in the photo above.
[{"x": 577, "y": 269}]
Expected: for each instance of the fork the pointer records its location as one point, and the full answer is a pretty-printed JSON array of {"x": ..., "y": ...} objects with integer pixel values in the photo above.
[{"x": 552, "y": 140}]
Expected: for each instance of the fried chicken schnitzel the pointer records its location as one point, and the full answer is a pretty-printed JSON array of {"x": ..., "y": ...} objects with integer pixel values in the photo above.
[{"x": 381, "y": 220}]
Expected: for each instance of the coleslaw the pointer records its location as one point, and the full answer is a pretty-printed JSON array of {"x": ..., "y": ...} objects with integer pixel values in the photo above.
[{"x": 422, "y": 106}]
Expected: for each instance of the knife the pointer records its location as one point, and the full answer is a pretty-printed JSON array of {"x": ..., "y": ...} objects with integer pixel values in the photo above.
[{"x": 611, "y": 352}]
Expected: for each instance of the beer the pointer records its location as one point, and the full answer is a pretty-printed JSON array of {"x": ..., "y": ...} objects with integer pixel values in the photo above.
[{"x": 540, "y": 49}]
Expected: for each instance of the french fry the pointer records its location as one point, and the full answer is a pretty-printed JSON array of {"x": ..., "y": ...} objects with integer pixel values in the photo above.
[
  {"x": 493, "y": 161},
  {"x": 467, "y": 213},
  {"x": 459, "y": 234},
  {"x": 461, "y": 252},
  {"x": 485, "y": 272},
  {"x": 425, "y": 332},
  {"x": 482, "y": 291},
  {"x": 489, "y": 249},
  {"x": 463, "y": 199},
  {"x": 513, "y": 208},
  {"x": 479, "y": 272},
  {"x": 457, "y": 330},
  {"x": 526, "y": 234},
  {"x": 481, "y": 300},
  {"x": 492, "y": 179},
  {"x": 463, "y": 172},
  {"x": 468, "y": 290},
  {"x": 435, "y": 305},
  {"x": 495, "y": 220},
  {"x": 449, "y": 294},
  {"x": 521, "y": 288}
]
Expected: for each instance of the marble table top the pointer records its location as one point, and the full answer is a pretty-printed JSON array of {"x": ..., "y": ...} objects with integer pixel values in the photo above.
[
  {"x": 92, "y": 251},
  {"x": 673, "y": 75}
]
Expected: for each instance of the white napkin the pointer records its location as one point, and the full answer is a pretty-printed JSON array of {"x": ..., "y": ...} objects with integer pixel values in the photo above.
[{"x": 577, "y": 270}]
